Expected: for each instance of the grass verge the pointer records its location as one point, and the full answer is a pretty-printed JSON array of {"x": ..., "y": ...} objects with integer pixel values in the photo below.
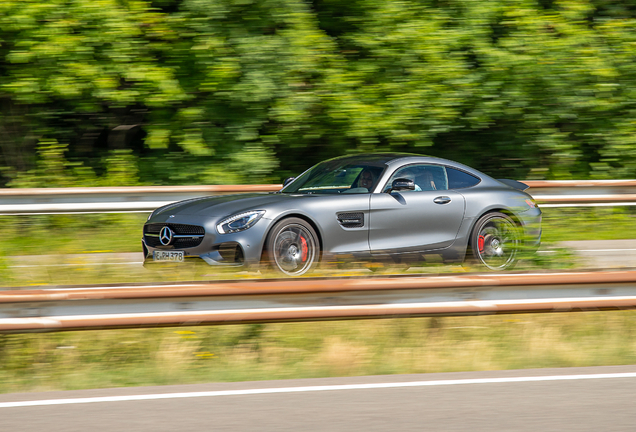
[
  {"x": 76, "y": 234},
  {"x": 58, "y": 236},
  {"x": 588, "y": 223},
  {"x": 116, "y": 358}
]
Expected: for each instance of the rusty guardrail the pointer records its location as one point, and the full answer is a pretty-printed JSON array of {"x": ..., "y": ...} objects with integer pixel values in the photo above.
[
  {"x": 147, "y": 198},
  {"x": 576, "y": 193},
  {"x": 198, "y": 303},
  {"x": 123, "y": 199}
]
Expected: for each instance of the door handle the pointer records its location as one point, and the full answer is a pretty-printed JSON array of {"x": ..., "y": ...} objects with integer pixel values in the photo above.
[{"x": 442, "y": 200}]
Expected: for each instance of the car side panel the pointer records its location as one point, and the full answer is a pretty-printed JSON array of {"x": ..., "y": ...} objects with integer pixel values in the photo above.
[
  {"x": 412, "y": 221},
  {"x": 323, "y": 210}
]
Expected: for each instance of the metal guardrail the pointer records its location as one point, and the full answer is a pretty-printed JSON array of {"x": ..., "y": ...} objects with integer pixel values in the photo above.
[
  {"x": 145, "y": 199},
  {"x": 577, "y": 193},
  {"x": 123, "y": 199},
  {"x": 190, "y": 304}
]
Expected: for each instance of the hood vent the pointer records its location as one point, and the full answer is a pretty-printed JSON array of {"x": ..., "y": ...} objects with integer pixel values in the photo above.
[{"x": 351, "y": 219}]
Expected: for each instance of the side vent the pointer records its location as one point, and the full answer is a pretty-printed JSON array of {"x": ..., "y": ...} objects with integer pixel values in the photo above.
[{"x": 351, "y": 219}]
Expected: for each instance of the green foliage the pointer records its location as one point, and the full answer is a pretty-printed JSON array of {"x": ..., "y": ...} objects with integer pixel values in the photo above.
[
  {"x": 52, "y": 169},
  {"x": 202, "y": 91},
  {"x": 591, "y": 223}
]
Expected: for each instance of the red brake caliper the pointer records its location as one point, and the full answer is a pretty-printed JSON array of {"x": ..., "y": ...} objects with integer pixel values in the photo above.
[
  {"x": 480, "y": 243},
  {"x": 304, "y": 249}
]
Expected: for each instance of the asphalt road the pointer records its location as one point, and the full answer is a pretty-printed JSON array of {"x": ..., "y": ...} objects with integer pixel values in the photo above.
[
  {"x": 607, "y": 254},
  {"x": 572, "y": 399}
]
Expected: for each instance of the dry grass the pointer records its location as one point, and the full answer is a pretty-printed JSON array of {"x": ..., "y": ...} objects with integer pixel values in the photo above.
[{"x": 112, "y": 358}]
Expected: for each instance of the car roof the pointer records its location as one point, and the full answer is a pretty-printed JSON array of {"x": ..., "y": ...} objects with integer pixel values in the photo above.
[
  {"x": 396, "y": 158},
  {"x": 390, "y": 158}
]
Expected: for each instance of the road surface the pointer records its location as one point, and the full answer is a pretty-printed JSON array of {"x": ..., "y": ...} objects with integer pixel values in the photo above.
[{"x": 568, "y": 399}]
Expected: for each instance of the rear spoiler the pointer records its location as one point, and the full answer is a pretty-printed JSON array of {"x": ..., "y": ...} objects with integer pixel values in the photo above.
[{"x": 514, "y": 183}]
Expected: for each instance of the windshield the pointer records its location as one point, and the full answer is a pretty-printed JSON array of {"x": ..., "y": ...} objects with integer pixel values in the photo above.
[{"x": 332, "y": 177}]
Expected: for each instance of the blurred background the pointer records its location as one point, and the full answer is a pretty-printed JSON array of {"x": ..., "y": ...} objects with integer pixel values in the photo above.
[
  {"x": 117, "y": 92},
  {"x": 186, "y": 92}
]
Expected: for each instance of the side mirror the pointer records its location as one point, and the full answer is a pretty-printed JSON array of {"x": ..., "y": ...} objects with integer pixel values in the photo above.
[
  {"x": 402, "y": 184},
  {"x": 288, "y": 180}
]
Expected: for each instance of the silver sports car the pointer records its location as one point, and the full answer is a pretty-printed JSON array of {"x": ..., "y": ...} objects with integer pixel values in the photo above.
[{"x": 384, "y": 206}]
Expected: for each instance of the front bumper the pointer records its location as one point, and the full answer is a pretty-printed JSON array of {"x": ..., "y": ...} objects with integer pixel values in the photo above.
[{"x": 240, "y": 249}]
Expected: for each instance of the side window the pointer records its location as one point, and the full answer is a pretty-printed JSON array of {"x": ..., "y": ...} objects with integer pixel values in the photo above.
[
  {"x": 459, "y": 179},
  {"x": 426, "y": 177}
]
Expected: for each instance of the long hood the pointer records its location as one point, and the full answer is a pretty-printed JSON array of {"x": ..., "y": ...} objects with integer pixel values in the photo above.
[{"x": 224, "y": 205}]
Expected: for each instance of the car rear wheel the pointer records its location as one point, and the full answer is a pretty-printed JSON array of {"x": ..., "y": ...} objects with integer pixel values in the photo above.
[
  {"x": 292, "y": 247},
  {"x": 495, "y": 242}
]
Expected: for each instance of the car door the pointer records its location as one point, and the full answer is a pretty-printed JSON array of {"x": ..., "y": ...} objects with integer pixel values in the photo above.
[
  {"x": 343, "y": 221},
  {"x": 427, "y": 218}
]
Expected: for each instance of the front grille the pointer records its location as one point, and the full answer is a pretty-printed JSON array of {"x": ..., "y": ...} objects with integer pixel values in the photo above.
[
  {"x": 152, "y": 241},
  {"x": 178, "y": 229},
  {"x": 152, "y": 230},
  {"x": 178, "y": 243},
  {"x": 351, "y": 219}
]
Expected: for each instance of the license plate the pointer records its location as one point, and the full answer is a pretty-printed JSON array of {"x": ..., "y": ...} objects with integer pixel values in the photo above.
[{"x": 175, "y": 256}]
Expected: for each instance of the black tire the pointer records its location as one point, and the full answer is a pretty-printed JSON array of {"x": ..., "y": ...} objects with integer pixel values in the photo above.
[
  {"x": 292, "y": 247},
  {"x": 495, "y": 242}
]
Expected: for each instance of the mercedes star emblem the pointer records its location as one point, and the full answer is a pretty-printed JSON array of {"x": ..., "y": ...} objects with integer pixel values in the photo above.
[{"x": 165, "y": 236}]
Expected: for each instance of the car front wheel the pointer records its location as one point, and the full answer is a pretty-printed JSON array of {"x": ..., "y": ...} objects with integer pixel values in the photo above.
[
  {"x": 495, "y": 242},
  {"x": 292, "y": 247}
]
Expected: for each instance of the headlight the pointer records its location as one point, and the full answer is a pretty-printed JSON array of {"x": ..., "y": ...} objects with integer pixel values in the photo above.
[{"x": 239, "y": 222}]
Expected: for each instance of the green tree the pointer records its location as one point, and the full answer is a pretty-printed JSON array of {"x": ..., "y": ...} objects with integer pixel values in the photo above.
[{"x": 233, "y": 91}]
